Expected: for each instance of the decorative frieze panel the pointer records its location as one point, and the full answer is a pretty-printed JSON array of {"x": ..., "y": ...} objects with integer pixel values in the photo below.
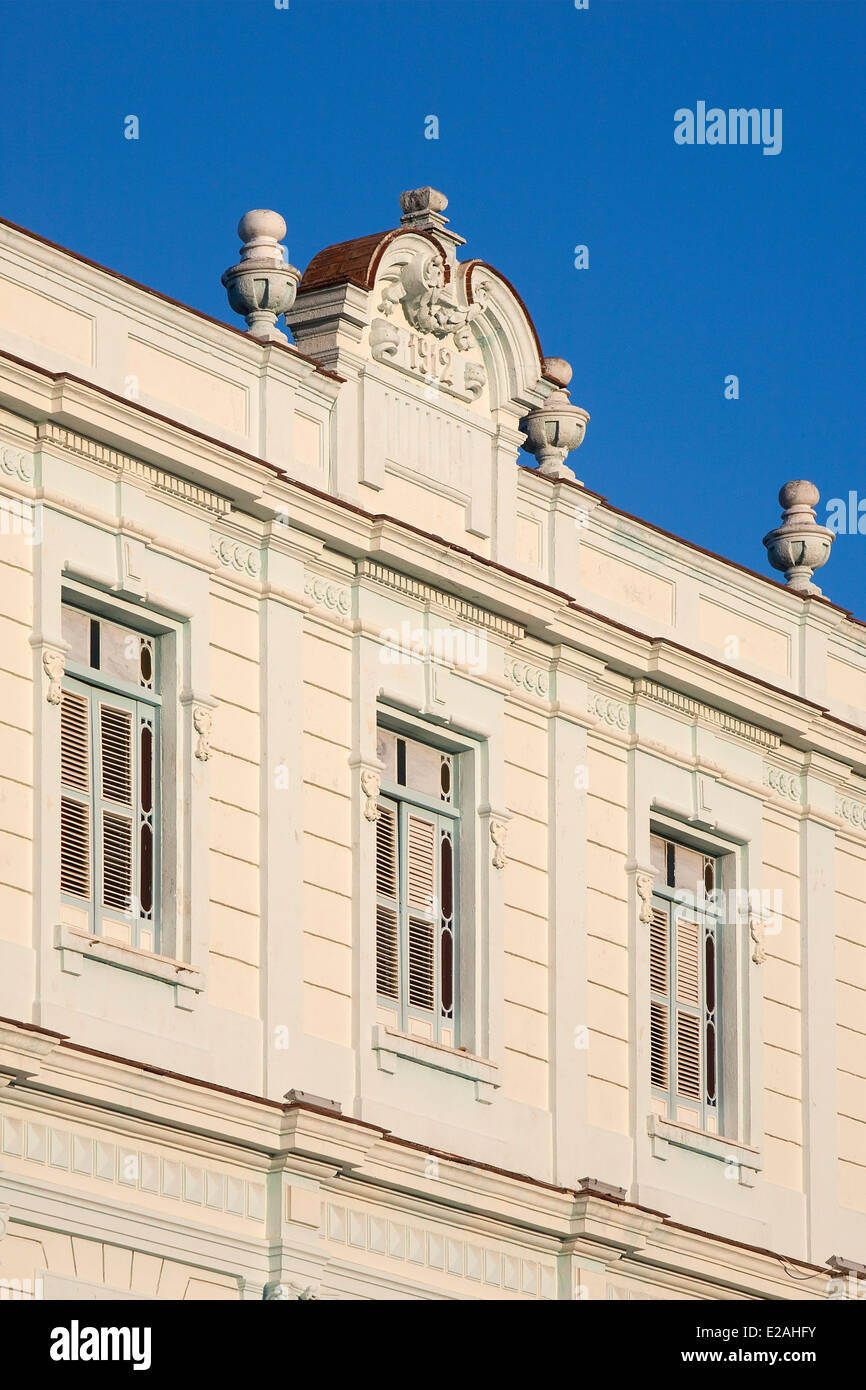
[
  {"x": 609, "y": 711},
  {"x": 527, "y": 678},
  {"x": 74, "y": 443},
  {"x": 426, "y": 593},
  {"x": 852, "y": 812},
  {"x": 16, "y": 464},
  {"x": 234, "y": 555},
  {"x": 783, "y": 783},
  {"x": 683, "y": 704},
  {"x": 326, "y": 594},
  {"x": 129, "y": 1167},
  {"x": 418, "y": 1245}
]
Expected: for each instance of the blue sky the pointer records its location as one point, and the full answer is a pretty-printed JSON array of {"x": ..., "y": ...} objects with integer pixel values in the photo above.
[{"x": 556, "y": 128}]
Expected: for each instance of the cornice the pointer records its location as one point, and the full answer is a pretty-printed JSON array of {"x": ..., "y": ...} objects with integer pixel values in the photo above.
[
  {"x": 457, "y": 608},
  {"x": 70, "y": 442},
  {"x": 548, "y": 614},
  {"x": 353, "y": 1155},
  {"x": 694, "y": 709}
]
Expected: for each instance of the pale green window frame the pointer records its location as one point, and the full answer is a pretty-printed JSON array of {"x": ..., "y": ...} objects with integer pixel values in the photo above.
[
  {"x": 686, "y": 992},
  {"x": 93, "y": 844},
  {"x": 417, "y": 928}
]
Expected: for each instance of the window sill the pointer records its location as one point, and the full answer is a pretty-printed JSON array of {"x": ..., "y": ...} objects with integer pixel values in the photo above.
[
  {"x": 388, "y": 1045},
  {"x": 77, "y": 946},
  {"x": 666, "y": 1134}
]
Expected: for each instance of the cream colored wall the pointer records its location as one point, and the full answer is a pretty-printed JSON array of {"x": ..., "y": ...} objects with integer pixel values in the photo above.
[
  {"x": 782, "y": 1005},
  {"x": 526, "y": 1035},
  {"x": 327, "y": 833},
  {"x": 234, "y": 803},
  {"x": 16, "y": 730},
  {"x": 607, "y": 937},
  {"x": 851, "y": 1020}
]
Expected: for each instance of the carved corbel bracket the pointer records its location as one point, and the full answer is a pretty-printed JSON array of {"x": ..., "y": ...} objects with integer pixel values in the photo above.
[
  {"x": 371, "y": 784},
  {"x": 54, "y": 666},
  {"x": 202, "y": 709},
  {"x": 287, "y": 1293},
  {"x": 202, "y": 719},
  {"x": 644, "y": 883},
  {"x": 757, "y": 926},
  {"x": 498, "y": 834}
]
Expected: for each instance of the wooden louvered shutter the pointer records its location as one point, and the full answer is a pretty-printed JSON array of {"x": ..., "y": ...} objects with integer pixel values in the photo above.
[
  {"x": 688, "y": 1005},
  {"x": 420, "y": 893},
  {"x": 75, "y": 797},
  {"x": 387, "y": 903},
  {"x": 660, "y": 1002},
  {"x": 116, "y": 732}
]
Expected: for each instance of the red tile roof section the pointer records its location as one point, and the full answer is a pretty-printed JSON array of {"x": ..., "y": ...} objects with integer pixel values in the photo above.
[{"x": 355, "y": 262}]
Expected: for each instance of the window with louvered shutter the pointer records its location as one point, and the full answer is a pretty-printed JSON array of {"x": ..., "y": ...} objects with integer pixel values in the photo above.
[
  {"x": 75, "y": 802},
  {"x": 659, "y": 1003},
  {"x": 387, "y": 904},
  {"x": 420, "y": 876},
  {"x": 683, "y": 983},
  {"x": 115, "y": 804},
  {"x": 415, "y": 887},
  {"x": 688, "y": 1000},
  {"x": 109, "y": 778}
]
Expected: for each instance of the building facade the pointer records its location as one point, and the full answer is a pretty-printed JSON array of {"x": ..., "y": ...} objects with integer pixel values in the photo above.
[{"x": 420, "y": 878}]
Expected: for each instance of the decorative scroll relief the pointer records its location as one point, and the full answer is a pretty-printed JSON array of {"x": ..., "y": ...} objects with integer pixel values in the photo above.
[
  {"x": 852, "y": 812},
  {"x": 438, "y": 332},
  {"x": 327, "y": 594},
  {"x": 419, "y": 1245},
  {"x": 417, "y": 283},
  {"x": 530, "y": 678},
  {"x": 236, "y": 556},
  {"x": 685, "y": 705},
  {"x": 123, "y": 463},
  {"x": 609, "y": 711},
  {"x": 786, "y": 784}
]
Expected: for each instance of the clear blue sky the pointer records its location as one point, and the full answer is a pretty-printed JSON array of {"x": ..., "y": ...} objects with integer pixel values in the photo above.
[{"x": 555, "y": 129}]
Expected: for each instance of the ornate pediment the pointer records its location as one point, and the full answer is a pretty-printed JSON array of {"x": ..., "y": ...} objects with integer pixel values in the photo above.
[{"x": 424, "y": 322}]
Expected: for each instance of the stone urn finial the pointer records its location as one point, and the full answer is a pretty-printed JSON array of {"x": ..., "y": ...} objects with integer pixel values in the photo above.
[
  {"x": 799, "y": 546},
  {"x": 555, "y": 428},
  {"x": 263, "y": 284}
]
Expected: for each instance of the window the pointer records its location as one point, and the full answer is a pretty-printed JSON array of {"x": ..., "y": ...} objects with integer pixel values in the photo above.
[
  {"x": 109, "y": 773},
  {"x": 684, "y": 986},
  {"x": 416, "y": 882}
]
